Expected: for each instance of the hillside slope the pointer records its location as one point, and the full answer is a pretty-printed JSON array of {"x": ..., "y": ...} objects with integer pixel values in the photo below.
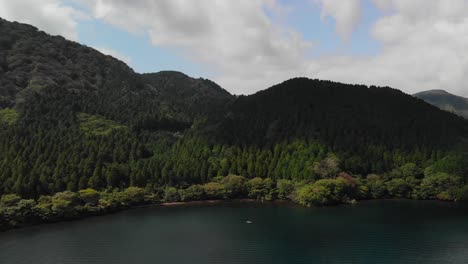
[
  {"x": 45, "y": 75},
  {"x": 72, "y": 118},
  {"x": 361, "y": 123},
  {"x": 446, "y": 101}
]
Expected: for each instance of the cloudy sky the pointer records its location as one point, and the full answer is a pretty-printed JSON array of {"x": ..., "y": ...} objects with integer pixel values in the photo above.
[{"x": 249, "y": 45}]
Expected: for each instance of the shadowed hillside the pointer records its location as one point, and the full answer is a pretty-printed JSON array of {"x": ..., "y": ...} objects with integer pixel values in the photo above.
[
  {"x": 446, "y": 101},
  {"x": 72, "y": 118}
]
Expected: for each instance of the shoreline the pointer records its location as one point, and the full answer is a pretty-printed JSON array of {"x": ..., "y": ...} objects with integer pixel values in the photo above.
[
  {"x": 187, "y": 203},
  {"x": 173, "y": 204},
  {"x": 131, "y": 207}
]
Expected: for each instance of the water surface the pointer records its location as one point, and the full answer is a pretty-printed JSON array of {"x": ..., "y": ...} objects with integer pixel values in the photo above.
[{"x": 370, "y": 232}]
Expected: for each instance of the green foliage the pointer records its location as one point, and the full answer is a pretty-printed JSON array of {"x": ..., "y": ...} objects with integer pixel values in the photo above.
[
  {"x": 97, "y": 125},
  {"x": 436, "y": 184},
  {"x": 234, "y": 185},
  {"x": 313, "y": 195},
  {"x": 8, "y": 116},
  {"x": 325, "y": 192},
  {"x": 411, "y": 170},
  {"x": 462, "y": 194},
  {"x": 89, "y": 196},
  {"x": 445, "y": 196},
  {"x": 171, "y": 194},
  {"x": 454, "y": 164},
  {"x": 261, "y": 189},
  {"x": 340, "y": 189},
  {"x": 8, "y": 200},
  {"x": 377, "y": 187},
  {"x": 15, "y": 211},
  {"x": 285, "y": 188},
  {"x": 62, "y": 207},
  {"x": 399, "y": 188},
  {"x": 14, "y": 214},
  {"x": 76, "y": 119},
  {"x": 359, "y": 126},
  {"x": 63, "y": 204},
  {"x": 25, "y": 210},
  {"x": 35, "y": 85},
  {"x": 327, "y": 168},
  {"x": 256, "y": 188},
  {"x": 193, "y": 193},
  {"x": 134, "y": 195},
  {"x": 214, "y": 190},
  {"x": 68, "y": 196},
  {"x": 44, "y": 207}
]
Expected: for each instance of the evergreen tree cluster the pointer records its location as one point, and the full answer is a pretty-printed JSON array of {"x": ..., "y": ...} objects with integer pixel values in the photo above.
[
  {"x": 366, "y": 126},
  {"x": 72, "y": 118}
]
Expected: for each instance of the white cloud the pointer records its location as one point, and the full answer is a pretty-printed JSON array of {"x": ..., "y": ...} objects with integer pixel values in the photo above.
[
  {"x": 52, "y": 16},
  {"x": 346, "y": 13},
  {"x": 236, "y": 39},
  {"x": 423, "y": 42},
  {"x": 115, "y": 54},
  {"x": 423, "y": 47}
]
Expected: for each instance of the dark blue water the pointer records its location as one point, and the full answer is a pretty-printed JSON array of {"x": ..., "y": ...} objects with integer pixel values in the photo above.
[{"x": 370, "y": 232}]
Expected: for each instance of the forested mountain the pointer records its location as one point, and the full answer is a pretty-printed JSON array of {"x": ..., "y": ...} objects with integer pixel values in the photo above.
[
  {"x": 446, "y": 101},
  {"x": 363, "y": 124},
  {"x": 195, "y": 97},
  {"x": 54, "y": 92},
  {"x": 72, "y": 118},
  {"x": 44, "y": 76}
]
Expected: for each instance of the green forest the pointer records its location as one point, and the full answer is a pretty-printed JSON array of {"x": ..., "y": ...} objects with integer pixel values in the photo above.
[{"x": 81, "y": 133}]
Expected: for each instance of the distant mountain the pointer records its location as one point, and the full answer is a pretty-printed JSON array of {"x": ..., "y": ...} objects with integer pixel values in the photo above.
[{"x": 446, "y": 101}]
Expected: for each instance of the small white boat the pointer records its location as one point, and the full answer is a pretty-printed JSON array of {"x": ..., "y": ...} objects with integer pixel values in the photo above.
[{"x": 249, "y": 222}]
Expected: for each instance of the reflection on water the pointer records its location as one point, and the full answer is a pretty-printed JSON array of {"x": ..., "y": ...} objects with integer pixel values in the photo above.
[{"x": 370, "y": 232}]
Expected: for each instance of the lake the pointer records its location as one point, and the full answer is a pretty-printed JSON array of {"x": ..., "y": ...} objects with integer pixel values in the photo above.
[{"x": 369, "y": 232}]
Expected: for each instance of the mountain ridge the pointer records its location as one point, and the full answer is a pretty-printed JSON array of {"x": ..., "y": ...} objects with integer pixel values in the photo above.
[
  {"x": 446, "y": 101},
  {"x": 35, "y": 64},
  {"x": 72, "y": 118}
]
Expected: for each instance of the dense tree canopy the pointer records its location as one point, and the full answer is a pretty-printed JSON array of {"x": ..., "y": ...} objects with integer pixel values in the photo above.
[{"x": 81, "y": 132}]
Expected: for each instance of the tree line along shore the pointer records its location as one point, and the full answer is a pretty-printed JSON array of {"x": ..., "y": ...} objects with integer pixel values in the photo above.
[{"x": 16, "y": 212}]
